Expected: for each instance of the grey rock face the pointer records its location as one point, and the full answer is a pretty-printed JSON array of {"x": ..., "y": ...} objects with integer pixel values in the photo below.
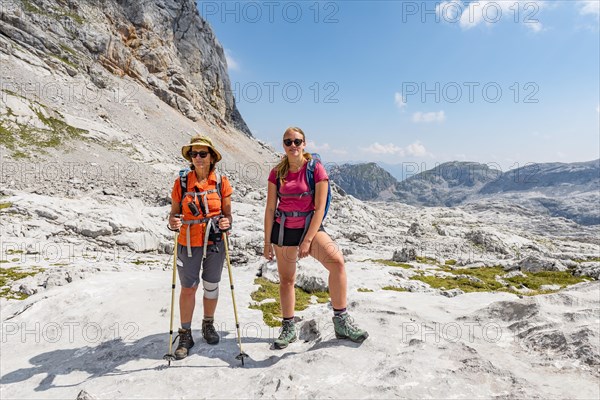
[
  {"x": 446, "y": 184},
  {"x": 358, "y": 237},
  {"x": 309, "y": 331},
  {"x": 363, "y": 181},
  {"x": 311, "y": 283},
  {"x": 163, "y": 45},
  {"x": 404, "y": 255},
  {"x": 83, "y": 395},
  {"x": 537, "y": 264},
  {"x": 488, "y": 241}
]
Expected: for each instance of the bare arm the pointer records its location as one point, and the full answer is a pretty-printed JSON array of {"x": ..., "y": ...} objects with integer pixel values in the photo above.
[
  {"x": 174, "y": 220},
  {"x": 225, "y": 223},
  {"x": 269, "y": 218},
  {"x": 320, "y": 203}
]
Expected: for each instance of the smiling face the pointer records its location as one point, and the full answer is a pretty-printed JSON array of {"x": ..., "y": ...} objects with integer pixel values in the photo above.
[
  {"x": 201, "y": 164},
  {"x": 293, "y": 143}
]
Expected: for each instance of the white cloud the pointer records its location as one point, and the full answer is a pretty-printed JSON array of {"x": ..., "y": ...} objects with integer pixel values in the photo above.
[
  {"x": 389, "y": 148},
  {"x": 589, "y": 7},
  {"x": 312, "y": 146},
  {"x": 399, "y": 100},
  {"x": 598, "y": 109},
  {"x": 469, "y": 15},
  {"x": 416, "y": 149},
  {"x": 439, "y": 116},
  {"x": 232, "y": 64}
]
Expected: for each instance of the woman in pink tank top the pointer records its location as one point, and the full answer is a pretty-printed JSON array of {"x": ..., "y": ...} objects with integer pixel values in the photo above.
[{"x": 292, "y": 203}]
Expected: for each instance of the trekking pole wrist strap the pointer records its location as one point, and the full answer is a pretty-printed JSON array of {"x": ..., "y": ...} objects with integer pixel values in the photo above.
[{"x": 171, "y": 229}]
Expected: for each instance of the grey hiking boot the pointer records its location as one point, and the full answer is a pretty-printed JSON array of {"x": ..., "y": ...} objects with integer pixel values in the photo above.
[
  {"x": 286, "y": 336},
  {"x": 186, "y": 342},
  {"x": 209, "y": 333},
  {"x": 346, "y": 329}
]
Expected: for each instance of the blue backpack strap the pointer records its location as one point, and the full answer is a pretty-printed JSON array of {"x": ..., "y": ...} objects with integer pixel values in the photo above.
[
  {"x": 310, "y": 177},
  {"x": 183, "y": 178}
]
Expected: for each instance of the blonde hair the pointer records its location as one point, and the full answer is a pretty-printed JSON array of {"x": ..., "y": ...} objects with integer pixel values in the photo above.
[{"x": 284, "y": 165}]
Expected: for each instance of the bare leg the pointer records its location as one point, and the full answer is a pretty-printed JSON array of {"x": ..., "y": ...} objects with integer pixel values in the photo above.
[
  {"x": 210, "y": 305},
  {"x": 187, "y": 303},
  {"x": 326, "y": 251},
  {"x": 286, "y": 266}
]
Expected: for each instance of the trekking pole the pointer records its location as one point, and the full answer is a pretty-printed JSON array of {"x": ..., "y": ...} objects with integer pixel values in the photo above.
[
  {"x": 170, "y": 356},
  {"x": 242, "y": 355}
]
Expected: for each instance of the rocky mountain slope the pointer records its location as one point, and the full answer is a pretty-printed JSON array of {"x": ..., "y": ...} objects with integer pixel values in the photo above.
[
  {"x": 100, "y": 97},
  {"x": 563, "y": 190},
  {"x": 482, "y": 300},
  {"x": 163, "y": 46},
  {"x": 447, "y": 184},
  {"x": 363, "y": 181}
]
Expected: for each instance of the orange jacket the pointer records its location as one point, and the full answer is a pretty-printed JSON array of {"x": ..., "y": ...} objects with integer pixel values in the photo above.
[{"x": 214, "y": 204}]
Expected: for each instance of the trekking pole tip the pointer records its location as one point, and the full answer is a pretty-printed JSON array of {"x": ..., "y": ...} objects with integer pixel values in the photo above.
[
  {"x": 169, "y": 358},
  {"x": 241, "y": 357}
]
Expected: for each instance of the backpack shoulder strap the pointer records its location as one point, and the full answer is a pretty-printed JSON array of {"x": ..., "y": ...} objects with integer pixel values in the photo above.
[
  {"x": 183, "y": 180},
  {"x": 219, "y": 186},
  {"x": 310, "y": 173}
]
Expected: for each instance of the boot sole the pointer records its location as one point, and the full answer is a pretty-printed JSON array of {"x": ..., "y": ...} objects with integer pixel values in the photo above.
[
  {"x": 182, "y": 357},
  {"x": 283, "y": 346},
  {"x": 360, "y": 339}
]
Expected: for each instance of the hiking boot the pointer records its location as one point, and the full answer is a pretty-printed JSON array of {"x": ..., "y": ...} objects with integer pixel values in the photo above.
[
  {"x": 209, "y": 333},
  {"x": 186, "y": 342},
  {"x": 346, "y": 329},
  {"x": 286, "y": 336}
]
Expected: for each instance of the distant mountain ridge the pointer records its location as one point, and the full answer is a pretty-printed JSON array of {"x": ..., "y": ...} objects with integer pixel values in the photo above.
[
  {"x": 363, "y": 181},
  {"x": 447, "y": 184},
  {"x": 547, "y": 175},
  {"x": 546, "y": 186}
]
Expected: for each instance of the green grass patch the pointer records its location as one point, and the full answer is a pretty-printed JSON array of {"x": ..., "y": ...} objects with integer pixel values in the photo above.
[
  {"x": 535, "y": 280},
  {"x": 450, "y": 262},
  {"x": 5, "y": 205},
  {"x": 591, "y": 259},
  {"x": 11, "y": 251},
  {"x": 9, "y": 275},
  {"x": 463, "y": 284},
  {"x": 391, "y": 263},
  {"x": 19, "y": 137},
  {"x": 272, "y": 310},
  {"x": 363, "y": 290},
  {"x": 55, "y": 13},
  {"x": 427, "y": 260},
  {"x": 487, "y": 275},
  {"x": 4, "y": 261},
  {"x": 15, "y": 259},
  {"x": 64, "y": 60},
  {"x": 395, "y": 288},
  {"x": 68, "y": 49},
  {"x": 484, "y": 273}
]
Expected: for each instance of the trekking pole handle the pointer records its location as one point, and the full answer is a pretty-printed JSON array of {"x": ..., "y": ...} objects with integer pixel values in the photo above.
[
  {"x": 227, "y": 229},
  {"x": 169, "y": 225}
]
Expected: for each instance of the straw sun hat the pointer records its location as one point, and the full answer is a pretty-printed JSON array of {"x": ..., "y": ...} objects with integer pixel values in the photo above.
[{"x": 199, "y": 140}]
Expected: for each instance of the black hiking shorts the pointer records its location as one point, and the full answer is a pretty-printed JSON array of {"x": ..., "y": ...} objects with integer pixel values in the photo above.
[{"x": 291, "y": 236}]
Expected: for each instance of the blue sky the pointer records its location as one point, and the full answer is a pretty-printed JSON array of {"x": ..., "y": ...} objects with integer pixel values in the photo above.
[{"x": 499, "y": 82}]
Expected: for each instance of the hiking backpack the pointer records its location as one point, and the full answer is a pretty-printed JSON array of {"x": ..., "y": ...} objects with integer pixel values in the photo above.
[{"x": 310, "y": 178}]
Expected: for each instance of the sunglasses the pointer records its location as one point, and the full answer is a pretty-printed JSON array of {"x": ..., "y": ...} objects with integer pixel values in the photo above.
[
  {"x": 297, "y": 142},
  {"x": 202, "y": 154}
]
